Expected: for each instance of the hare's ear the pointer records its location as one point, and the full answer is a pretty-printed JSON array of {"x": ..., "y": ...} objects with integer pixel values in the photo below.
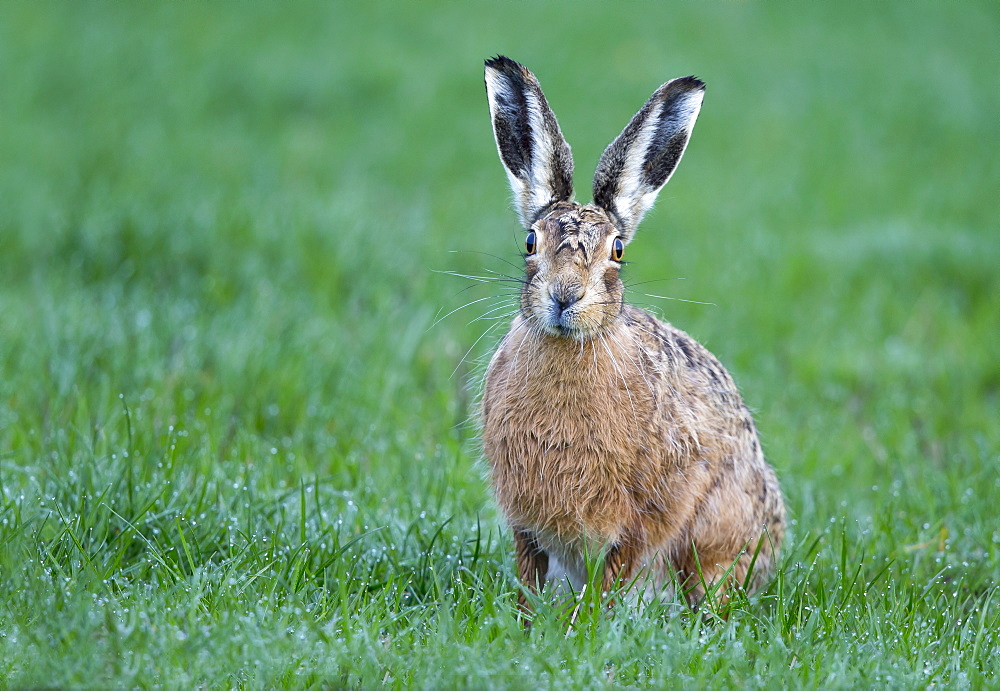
[
  {"x": 637, "y": 164},
  {"x": 533, "y": 150}
]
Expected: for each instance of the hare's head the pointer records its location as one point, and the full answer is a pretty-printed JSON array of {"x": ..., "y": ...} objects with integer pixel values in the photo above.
[{"x": 574, "y": 252}]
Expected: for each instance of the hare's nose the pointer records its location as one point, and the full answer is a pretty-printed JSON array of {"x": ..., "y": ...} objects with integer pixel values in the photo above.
[
  {"x": 563, "y": 303},
  {"x": 564, "y": 297}
]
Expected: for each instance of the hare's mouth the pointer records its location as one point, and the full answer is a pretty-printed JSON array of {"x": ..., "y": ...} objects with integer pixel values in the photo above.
[
  {"x": 563, "y": 331},
  {"x": 570, "y": 325},
  {"x": 573, "y": 313},
  {"x": 565, "y": 318}
]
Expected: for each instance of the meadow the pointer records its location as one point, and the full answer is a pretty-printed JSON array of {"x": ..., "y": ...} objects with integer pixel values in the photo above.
[{"x": 238, "y": 384}]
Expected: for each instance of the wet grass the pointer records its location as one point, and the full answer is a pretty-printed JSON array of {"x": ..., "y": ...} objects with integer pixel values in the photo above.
[{"x": 237, "y": 449}]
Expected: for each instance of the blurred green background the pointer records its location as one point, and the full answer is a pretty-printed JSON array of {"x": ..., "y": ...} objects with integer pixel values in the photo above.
[{"x": 220, "y": 227}]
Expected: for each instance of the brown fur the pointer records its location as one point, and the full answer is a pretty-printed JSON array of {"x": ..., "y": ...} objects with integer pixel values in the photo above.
[{"x": 610, "y": 432}]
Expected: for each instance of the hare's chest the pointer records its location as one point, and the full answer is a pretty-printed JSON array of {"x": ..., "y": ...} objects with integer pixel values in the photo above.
[
  {"x": 565, "y": 409},
  {"x": 562, "y": 447}
]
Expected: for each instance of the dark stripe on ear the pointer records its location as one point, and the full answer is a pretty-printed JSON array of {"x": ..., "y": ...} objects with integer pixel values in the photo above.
[
  {"x": 643, "y": 157},
  {"x": 512, "y": 128},
  {"x": 670, "y": 138}
]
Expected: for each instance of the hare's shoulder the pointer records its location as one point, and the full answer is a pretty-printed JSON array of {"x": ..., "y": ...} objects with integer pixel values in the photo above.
[{"x": 678, "y": 353}]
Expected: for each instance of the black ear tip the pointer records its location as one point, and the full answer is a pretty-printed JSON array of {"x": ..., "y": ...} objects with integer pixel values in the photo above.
[
  {"x": 691, "y": 83},
  {"x": 501, "y": 63},
  {"x": 678, "y": 88}
]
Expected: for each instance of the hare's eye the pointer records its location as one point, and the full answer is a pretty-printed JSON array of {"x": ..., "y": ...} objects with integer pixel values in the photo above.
[
  {"x": 529, "y": 243},
  {"x": 617, "y": 249}
]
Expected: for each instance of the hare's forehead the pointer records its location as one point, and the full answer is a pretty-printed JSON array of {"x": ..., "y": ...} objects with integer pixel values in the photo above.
[{"x": 587, "y": 226}]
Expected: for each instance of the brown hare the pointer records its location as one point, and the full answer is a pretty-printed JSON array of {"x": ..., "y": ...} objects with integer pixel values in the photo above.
[{"x": 606, "y": 431}]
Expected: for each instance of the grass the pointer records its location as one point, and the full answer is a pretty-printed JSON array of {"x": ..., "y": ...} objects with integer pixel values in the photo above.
[{"x": 238, "y": 450}]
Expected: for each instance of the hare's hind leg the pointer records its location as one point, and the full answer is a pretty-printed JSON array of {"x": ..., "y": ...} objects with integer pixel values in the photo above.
[
  {"x": 619, "y": 565},
  {"x": 719, "y": 572},
  {"x": 532, "y": 565},
  {"x": 629, "y": 568}
]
